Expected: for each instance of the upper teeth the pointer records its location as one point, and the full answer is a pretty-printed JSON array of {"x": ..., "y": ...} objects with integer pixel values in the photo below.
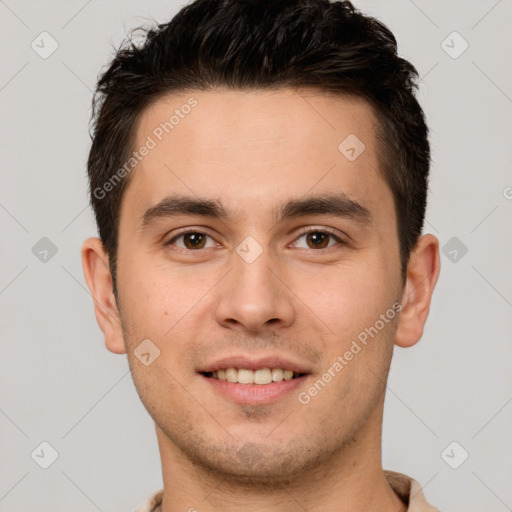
[{"x": 245, "y": 376}]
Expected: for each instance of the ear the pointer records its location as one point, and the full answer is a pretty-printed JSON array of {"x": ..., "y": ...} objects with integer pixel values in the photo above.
[
  {"x": 422, "y": 273},
  {"x": 99, "y": 280}
]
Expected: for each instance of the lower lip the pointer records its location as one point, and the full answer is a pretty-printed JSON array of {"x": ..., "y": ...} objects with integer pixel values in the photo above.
[{"x": 254, "y": 394}]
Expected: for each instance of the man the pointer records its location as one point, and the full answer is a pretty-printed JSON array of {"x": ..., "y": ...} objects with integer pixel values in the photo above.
[{"x": 258, "y": 173}]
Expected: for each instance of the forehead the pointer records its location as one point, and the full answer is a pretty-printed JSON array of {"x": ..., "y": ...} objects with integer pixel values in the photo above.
[{"x": 253, "y": 147}]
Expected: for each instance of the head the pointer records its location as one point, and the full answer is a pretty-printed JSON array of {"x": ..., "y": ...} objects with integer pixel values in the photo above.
[{"x": 246, "y": 122}]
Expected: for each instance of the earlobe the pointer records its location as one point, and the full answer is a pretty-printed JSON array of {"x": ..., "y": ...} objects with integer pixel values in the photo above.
[
  {"x": 99, "y": 280},
  {"x": 422, "y": 274}
]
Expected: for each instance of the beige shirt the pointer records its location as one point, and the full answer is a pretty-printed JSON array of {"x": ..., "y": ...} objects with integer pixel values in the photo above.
[{"x": 406, "y": 488}]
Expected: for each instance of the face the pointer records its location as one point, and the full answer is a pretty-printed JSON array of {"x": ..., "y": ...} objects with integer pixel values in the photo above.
[{"x": 248, "y": 239}]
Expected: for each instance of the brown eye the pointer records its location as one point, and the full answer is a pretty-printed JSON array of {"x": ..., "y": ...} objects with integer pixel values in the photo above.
[
  {"x": 317, "y": 239},
  {"x": 192, "y": 240}
]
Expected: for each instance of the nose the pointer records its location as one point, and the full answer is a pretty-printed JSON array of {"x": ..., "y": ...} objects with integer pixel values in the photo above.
[{"x": 254, "y": 297}]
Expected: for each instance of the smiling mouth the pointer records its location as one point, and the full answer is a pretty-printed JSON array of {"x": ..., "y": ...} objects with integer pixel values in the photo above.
[{"x": 262, "y": 376}]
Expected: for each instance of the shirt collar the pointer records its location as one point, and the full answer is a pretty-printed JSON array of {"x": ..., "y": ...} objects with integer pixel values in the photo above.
[{"x": 407, "y": 489}]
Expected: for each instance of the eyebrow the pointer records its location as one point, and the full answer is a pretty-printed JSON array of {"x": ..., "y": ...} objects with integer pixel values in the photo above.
[{"x": 334, "y": 204}]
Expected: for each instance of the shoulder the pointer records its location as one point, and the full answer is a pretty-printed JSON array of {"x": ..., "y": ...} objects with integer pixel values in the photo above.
[
  {"x": 409, "y": 491},
  {"x": 151, "y": 502}
]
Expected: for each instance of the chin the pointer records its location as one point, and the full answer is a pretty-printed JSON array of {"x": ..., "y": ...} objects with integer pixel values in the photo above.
[{"x": 256, "y": 464}]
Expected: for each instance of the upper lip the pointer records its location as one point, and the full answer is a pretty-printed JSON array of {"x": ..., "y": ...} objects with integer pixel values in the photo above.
[{"x": 254, "y": 363}]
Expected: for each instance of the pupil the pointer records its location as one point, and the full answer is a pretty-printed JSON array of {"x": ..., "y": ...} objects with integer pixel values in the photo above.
[
  {"x": 318, "y": 239},
  {"x": 193, "y": 240}
]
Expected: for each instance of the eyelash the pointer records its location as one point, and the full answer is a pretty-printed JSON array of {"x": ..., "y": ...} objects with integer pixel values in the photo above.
[{"x": 303, "y": 233}]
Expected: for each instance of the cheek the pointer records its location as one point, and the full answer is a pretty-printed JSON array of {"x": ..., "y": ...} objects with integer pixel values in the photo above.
[
  {"x": 348, "y": 297},
  {"x": 168, "y": 307},
  {"x": 152, "y": 298}
]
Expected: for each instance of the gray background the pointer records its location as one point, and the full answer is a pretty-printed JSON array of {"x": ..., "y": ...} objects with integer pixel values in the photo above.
[{"x": 59, "y": 384}]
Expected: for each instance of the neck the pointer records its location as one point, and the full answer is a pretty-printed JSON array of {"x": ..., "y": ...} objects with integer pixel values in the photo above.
[{"x": 350, "y": 480}]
